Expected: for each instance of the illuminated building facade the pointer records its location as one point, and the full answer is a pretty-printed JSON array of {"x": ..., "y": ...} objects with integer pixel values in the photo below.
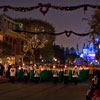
[
  {"x": 88, "y": 52},
  {"x": 16, "y": 40}
]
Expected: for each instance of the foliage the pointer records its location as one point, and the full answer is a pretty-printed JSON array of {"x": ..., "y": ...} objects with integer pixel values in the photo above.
[
  {"x": 39, "y": 42},
  {"x": 67, "y": 50},
  {"x": 71, "y": 57},
  {"x": 72, "y": 50},
  {"x": 33, "y": 25},
  {"x": 47, "y": 54},
  {"x": 95, "y": 24},
  {"x": 95, "y": 27},
  {"x": 98, "y": 55},
  {"x": 59, "y": 53}
]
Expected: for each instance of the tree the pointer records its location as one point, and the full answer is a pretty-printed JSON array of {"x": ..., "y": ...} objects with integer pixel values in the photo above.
[
  {"x": 47, "y": 54},
  {"x": 70, "y": 55},
  {"x": 95, "y": 27},
  {"x": 70, "y": 58},
  {"x": 59, "y": 53},
  {"x": 39, "y": 41},
  {"x": 67, "y": 50},
  {"x": 98, "y": 55},
  {"x": 72, "y": 50},
  {"x": 94, "y": 24}
]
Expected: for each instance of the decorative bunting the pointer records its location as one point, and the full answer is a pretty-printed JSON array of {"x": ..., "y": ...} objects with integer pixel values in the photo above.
[
  {"x": 44, "y": 8},
  {"x": 67, "y": 33}
]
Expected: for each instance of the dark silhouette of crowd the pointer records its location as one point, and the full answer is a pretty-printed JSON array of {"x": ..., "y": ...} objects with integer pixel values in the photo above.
[
  {"x": 94, "y": 91},
  {"x": 42, "y": 73}
]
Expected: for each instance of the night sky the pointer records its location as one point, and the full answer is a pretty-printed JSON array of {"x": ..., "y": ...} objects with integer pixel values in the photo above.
[{"x": 61, "y": 20}]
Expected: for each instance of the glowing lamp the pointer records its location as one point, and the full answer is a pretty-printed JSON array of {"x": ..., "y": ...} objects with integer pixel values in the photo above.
[{"x": 91, "y": 54}]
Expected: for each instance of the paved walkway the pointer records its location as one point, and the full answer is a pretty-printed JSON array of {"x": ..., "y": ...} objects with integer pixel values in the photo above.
[{"x": 42, "y": 91}]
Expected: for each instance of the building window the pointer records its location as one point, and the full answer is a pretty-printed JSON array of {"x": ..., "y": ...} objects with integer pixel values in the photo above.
[
  {"x": 8, "y": 24},
  {"x": 6, "y": 38},
  {"x": 5, "y": 20},
  {"x": 14, "y": 41},
  {"x": 11, "y": 40},
  {"x": 14, "y": 45},
  {"x": 12, "y": 26},
  {"x": 22, "y": 43}
]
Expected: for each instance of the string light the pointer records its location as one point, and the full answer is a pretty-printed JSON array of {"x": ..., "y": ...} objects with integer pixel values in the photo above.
[
  {"x": 44, "y": 8},
  {"x": 67, "y": 33}
]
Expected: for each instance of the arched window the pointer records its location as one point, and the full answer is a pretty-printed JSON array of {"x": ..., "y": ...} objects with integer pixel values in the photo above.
[{"x": 10, "y": 39}]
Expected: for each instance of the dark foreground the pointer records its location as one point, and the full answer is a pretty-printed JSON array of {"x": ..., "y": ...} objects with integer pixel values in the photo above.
[{"x": 42, "y": 91}]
